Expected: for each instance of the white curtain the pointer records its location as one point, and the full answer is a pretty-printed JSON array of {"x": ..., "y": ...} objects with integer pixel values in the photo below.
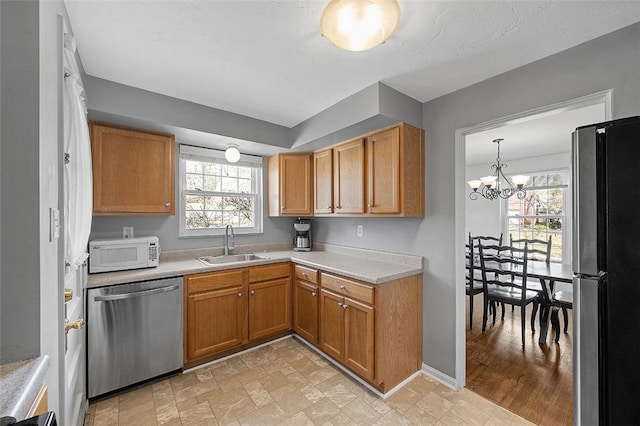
[{"x": 78, "y": 183}]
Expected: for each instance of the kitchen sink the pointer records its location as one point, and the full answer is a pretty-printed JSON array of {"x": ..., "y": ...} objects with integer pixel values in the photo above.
[{"x": 231, "y": 258}]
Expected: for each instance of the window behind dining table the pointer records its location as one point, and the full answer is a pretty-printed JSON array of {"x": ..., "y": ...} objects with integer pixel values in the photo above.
[{"x": 543, "y": 212}]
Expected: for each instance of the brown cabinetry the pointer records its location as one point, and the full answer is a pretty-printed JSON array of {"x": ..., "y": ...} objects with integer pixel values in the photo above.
[
  {"x": 133, "y": 171},
  {"x": 375, "y": 331},
  {"x": 348, "y": 177},
  {"x": 323, "y": 181},
  {"x": 347, "y": 325},
  {"x": 395, "y": 171},
  {"x": 229, "y": 310},
  {"x": 305, "y": 303},
  {"x": 378, "y": 174},
  {"x": 269, "y": 300},
  {"x": 216, "y": 312},
  {"x": 290, "y": 185}
]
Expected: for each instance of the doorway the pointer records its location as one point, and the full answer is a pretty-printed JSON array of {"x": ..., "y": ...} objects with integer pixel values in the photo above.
[{"x": 524, "y": 154}]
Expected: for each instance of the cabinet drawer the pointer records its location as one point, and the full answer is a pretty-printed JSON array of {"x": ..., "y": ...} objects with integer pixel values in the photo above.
[
  {"x": 214, "y": 280},
  {"x": 269, "y": 272},
  {"x": 348, "y": 288},
  {"x": 306, "y": 274}
]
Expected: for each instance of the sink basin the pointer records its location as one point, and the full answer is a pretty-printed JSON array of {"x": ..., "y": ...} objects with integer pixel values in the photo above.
[{"x": 232, "y": 258}]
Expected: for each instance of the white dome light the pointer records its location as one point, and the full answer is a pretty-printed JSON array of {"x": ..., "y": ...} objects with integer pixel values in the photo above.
[
  {"x": 358, "y": 25},
  {"x": 232, "y": 154}
]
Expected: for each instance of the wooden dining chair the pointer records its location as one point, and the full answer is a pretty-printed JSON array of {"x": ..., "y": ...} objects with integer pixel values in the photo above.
[
  {"x": 473, "y": 285},
  {"x": 539, "y": 250},
  {"x": 561, "y": 300},
  {"x": 508, "y": 263}
]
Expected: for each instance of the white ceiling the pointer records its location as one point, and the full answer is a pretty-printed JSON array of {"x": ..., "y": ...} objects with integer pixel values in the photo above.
[
  {"x": 267, "y": 60},
  {"x": 549, "y": 133}
]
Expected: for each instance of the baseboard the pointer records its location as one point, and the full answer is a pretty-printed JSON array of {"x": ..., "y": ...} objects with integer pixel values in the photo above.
[{"x": 440, "y": 377}]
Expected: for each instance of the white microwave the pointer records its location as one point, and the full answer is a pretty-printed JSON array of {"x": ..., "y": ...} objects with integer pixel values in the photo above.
[{"x": 121, "y": 254}]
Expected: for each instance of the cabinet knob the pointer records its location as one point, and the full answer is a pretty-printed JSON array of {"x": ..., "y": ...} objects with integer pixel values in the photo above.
[
  {"x": 370, "y": 206},
  {"x": 342, "y": 287},
  {"x": 328, "y": 207},
  {"x": 314, "y": 294},
  {"x": 337, "y": 207},
  {"x": 239, "y": 294},
  {"x": 344, "y": 306},
  {"x": 168, "y": 205},
  {"x": 253, "y": 292},
  {"x": 304, "y": 274},
  {"x": 339, "y": 304}
]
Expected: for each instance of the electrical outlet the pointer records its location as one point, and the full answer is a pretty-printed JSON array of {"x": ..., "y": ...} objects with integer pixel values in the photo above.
[
  {"x": 127, "y": 232},
  {"x": 360, "y": 230}
]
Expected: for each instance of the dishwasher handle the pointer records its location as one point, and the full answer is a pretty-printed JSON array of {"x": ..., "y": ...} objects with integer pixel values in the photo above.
[{"x": 133, "y": 294}]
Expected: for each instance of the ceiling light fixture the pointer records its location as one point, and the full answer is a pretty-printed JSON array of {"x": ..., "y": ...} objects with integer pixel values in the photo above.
[
  {"x": 358, "y": 25},
  {"x": 491, "y": 185},
  {"x": 232, "y": 154}
]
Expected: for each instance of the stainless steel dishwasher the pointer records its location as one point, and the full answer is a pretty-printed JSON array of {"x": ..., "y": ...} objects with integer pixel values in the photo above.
[{"x": 134, "y": 333}]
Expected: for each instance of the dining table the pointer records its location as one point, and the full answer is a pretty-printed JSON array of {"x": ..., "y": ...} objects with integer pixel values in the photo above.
[{"x": 548, "y": 274}]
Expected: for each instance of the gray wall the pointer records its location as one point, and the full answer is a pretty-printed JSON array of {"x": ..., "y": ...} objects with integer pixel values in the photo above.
[
  {"x": 20, "y": 268},
  {"x": 612, "y": 61}
]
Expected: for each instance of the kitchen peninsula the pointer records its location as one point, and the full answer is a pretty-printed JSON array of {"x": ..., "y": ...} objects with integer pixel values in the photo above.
[{"x": 360, "y": 308}]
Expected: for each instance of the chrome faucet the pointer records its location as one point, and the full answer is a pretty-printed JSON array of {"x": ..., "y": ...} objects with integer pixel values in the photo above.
[{"x": 228, "y": 244}]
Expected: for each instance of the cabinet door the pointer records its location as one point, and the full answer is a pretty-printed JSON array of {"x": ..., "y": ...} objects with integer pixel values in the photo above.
[
  {"x": 215, "y": 321},
  {"x": 383, "y": 171},
  {"x": 305, "y": 310},
  {"x": 348, "y": 180},
  {"x": 295, "y": 185},
  {"x": 332, "y": 324},
  {"x": 269, "y": 307},
  {"x": 359, "y": 335},
  {"x": 133, "y": 171},
  {"x": 323, "y": 181}
]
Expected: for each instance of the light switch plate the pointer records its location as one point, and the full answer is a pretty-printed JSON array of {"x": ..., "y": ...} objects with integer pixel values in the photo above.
[
  {"x": 360, "y": 230},
  {"x": 127, "y": 232}
]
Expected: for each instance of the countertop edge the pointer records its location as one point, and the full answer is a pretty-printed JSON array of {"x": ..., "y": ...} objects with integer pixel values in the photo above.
[
  {"x": 182, "y": 267},
  {"x": 21, "y": 386}
]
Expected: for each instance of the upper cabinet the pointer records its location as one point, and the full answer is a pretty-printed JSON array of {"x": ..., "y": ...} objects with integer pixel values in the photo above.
[
  {"x": 133, "y": 171},
  {"x": 377, "y": 174},
  {"x": 323, "y": 181},
  {"x": 395, "y": 172},
  {"x": 348, "y": 177},
  {"x": 290, "y": 185}
]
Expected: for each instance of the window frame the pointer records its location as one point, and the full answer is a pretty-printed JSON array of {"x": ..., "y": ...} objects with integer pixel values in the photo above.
[
  {"x": 566, "y": 217},
  {"x": 189, "y": 152}
]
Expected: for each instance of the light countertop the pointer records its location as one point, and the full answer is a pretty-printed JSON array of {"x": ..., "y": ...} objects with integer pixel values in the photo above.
[
  {"x": 20, "y": 383},
  {"x": 374, "y": 267}
]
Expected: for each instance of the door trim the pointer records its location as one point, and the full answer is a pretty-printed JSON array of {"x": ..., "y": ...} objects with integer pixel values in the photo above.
[{"x": 604, "y": 97}]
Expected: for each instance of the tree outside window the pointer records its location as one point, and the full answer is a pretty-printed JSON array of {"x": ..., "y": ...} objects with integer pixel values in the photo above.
[{"x": 542, "y": 212}]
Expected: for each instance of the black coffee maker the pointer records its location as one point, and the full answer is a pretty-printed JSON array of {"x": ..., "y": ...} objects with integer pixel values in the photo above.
[{"x": 302, "y": 238}]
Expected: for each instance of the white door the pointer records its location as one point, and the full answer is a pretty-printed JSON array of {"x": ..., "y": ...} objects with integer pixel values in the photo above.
[{"x": 75, "y": 394}]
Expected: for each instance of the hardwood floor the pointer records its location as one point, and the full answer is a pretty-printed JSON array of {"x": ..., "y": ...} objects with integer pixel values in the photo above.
[{"x": 534, "y": 381}]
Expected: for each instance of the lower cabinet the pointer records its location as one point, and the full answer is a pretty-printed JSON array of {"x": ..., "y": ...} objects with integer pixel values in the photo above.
[
  {"x": 269, "y": 307},
  {"x": 305, "y": 303},
  {"x": 231, "y": 309},
  {"x": 373, "y": 330},
  {"x": 347, "y": 332},
  {"x": 216, "y": 312}
]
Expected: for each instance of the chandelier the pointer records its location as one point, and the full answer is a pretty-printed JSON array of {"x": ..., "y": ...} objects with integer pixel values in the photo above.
[{"x": 492, "y": 187}]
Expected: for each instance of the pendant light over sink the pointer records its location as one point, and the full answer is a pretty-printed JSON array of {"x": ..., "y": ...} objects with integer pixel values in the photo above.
[{"x": 358, "y": 25}]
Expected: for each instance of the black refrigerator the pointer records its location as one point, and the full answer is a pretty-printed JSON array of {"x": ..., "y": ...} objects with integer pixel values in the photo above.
[{"x": 606, "y": 266}]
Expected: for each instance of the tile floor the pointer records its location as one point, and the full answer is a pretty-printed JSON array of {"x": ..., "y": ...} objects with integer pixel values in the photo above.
[{"x": 289, "y": 384}]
